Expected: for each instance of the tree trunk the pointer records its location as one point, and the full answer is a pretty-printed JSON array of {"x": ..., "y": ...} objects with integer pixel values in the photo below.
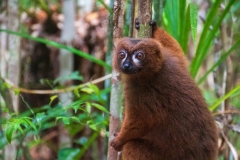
[
  {"x": 116, "y": 92},
  {"x": 13, "y": 63},
  {"x": 66, "y": 64},
  {"x": 144, "y": 17}
]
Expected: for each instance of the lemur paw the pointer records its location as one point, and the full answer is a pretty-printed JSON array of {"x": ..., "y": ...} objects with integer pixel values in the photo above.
[{"x": 116, "y": 144}]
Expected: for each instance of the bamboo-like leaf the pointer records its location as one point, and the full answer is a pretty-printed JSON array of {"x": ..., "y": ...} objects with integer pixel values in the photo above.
[
  {"x": 208, "y": 22},
  {"x": 193, "y": 20},
  {"x": 222, "y": 58},
  {"x": 204, "y": 44},
  {"x": 182, "y": 19},
  {"x": 211, "y": 35},
  {"x": 230, "y": 93},
  {"x": 172, "y": 14},
  {"x": 185, "y": 30},
  {"x": 60, "y": 46},
  {"x": 178, "y": 18}
]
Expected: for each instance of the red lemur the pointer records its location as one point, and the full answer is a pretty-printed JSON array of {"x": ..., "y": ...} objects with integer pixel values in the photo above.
[{"x": 165, "y": 114}]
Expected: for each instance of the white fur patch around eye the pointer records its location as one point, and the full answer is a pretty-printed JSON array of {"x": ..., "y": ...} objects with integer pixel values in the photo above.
[
  {"x": 123, "y": 60},
  {"x": 136, "y": 60}
]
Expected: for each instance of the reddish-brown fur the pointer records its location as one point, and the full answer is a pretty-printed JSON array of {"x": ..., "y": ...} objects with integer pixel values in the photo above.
[{"x": 166, "y": 117}]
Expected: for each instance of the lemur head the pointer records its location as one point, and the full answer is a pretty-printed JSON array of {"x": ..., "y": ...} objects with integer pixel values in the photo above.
[{"x": 137, "y": 56}]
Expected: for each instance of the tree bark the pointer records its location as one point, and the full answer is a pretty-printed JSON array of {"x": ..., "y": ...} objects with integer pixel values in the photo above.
[
  {"x": 116, "y": 91},
  {"x": 13, "y": 64},
  {"x": 144, "y": 17},
  {"x": 66, "y": 64}
]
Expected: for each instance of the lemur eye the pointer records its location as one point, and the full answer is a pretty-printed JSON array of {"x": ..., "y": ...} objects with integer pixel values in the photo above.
[
  {"x": 140, "y": 56},
  {"x": 121, "y": 55}
]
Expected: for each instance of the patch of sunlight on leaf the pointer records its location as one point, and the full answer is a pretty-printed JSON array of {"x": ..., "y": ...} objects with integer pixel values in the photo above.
[
  {"x": 40, "y": 117},
  {"x": 100, "y": 107},
  {"x": 88, "y": 107},
  {"x": 76, "y": 92},
  {"x": 52, "y": 98}
]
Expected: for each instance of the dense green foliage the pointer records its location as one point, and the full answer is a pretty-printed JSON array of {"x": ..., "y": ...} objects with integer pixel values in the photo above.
[{"x": 180, "y": 19}]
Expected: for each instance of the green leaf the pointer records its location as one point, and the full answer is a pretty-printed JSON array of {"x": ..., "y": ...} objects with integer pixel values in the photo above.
[
  {"x": 105, "y": 5},
  {"x": 14, "y": 124},
  {"x": 100, "y": 107},
  {"x": 6, "y": 85},
  {"x": 185, "y": 30},
  {"x": 40, "y": 117},
  {"x": 60, "y": 46},
  {"x": 75, "y": 105},
  {"x": 18, "y": 127},
  {"x": 75, "y": 119},
  {"x": 193, "y": 20},
  {"x": 230, "y": 93},
  {"x": 207, "y": 37},
  {"x": 68, "y": 154},
  {"x": 95, "y": 89},
  {"x": 171, "y": 16},
  {"x": 16, "y": 92},
  {"x": 52, "y": 98},
  {"x": 210, "y": 17},
  {"x": 91, "y": 139},
  {"x": 66, "y": 120},
  {"x": 87, "y": 90},
  {"x": 76, "y": 93},
  {"x": 93, "y": 126},
  {"x": 9, "y": 132},
  {"x": 29, "y": 123},
  {"x": 222, "y": 58},
  {"x": 88, "y": 107}
]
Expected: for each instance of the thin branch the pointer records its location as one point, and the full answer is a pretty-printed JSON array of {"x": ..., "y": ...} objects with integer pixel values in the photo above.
[
  {"x": 57, "y": 91},
  {"x": 226, "y": 112},
  {"x": 233, "y": 150},
  {"x": 228, "y": 64}
]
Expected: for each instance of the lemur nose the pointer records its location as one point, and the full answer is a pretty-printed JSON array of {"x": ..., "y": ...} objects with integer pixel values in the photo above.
[{"x": 126, "y": 66}]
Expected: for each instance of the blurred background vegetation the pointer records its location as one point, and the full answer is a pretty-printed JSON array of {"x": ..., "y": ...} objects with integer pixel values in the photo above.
[{"x": 49, "y": 50}]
